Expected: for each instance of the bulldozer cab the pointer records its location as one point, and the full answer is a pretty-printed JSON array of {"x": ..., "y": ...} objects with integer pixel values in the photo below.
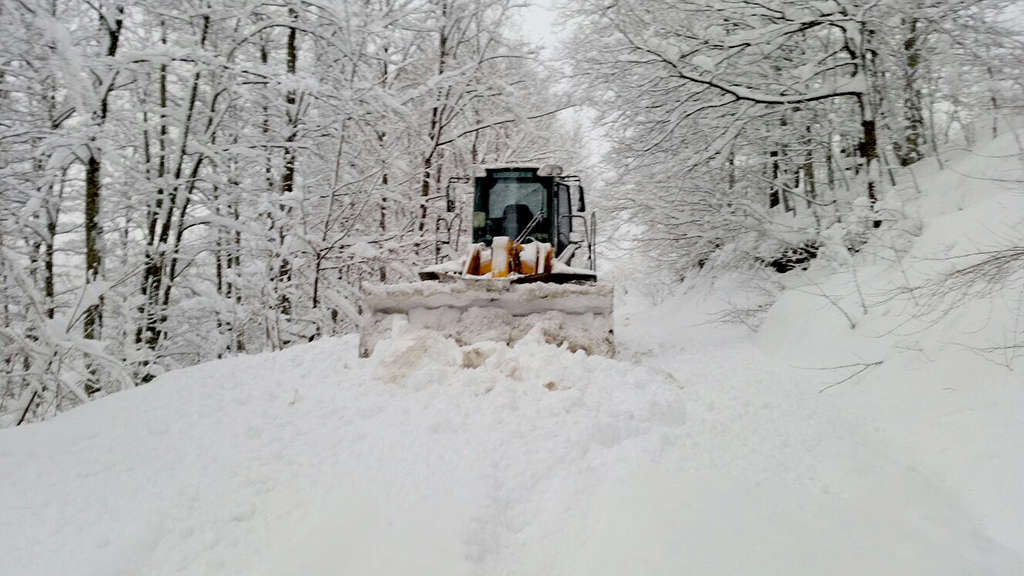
[{"x": 521, "y": 204}]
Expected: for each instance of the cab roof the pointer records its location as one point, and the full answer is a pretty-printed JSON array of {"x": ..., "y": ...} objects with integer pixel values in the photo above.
[{"x": 481, "y": 170}]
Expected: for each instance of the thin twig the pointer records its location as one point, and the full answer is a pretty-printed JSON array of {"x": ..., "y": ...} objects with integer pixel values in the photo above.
[
  {"x": 851, "y": 376},
  {"x": 821, "y": 292}
]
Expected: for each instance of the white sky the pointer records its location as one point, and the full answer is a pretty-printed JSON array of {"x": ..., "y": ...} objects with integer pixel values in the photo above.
[{"x": 538, "y": 23}]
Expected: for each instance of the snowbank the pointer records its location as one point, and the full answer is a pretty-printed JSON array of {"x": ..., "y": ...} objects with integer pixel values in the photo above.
[{"x": 471, "y": 311}]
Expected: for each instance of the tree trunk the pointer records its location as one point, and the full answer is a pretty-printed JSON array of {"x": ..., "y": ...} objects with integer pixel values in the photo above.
[
  {"x": 731, "y": 171},
  {"x": 830, "y": 169},
  {"x": 809, "y": 184},
  {"x": 869, "y": 147},
  {"x": 869, "y": 150},
  {"x": 435, "y": 121},
  {"x": 148, "y": 334},
  {"x": 774, "y": 197},
  {"x": 910, "y": 149},
  {"x": 993, "y": 100},
  {"x": 288, "y": 178},
  {"x": 93, "y": 321},
  {"x": 284, "y": 270}
]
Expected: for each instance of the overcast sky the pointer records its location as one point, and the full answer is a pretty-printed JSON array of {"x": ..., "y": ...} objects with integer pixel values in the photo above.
[{"x": 538, "y": 23}]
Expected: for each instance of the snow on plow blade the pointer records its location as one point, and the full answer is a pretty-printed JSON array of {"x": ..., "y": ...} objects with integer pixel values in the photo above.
[{"x": 470, "y": 311}]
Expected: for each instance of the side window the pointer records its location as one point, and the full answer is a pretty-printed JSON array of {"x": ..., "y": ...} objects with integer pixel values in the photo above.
[{"x": 564, "y": 214}]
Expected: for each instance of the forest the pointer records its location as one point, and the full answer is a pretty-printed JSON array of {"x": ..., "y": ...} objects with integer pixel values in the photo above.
[{"x": 184, "y": 181}]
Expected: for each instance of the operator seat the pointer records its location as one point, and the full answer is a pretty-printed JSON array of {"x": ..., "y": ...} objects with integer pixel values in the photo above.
[{"x": 515, "y": 219}]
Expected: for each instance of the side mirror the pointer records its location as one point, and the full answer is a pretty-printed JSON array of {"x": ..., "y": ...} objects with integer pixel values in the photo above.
[
  {"x": 449, "y": 200},
  {"x": 583, "y": 204}
]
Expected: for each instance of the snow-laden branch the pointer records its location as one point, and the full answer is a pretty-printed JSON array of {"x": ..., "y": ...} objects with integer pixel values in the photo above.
[{"x": 507, "y": 120}]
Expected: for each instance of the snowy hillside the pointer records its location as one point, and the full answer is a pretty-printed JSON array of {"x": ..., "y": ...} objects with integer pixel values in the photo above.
[
  {"x": 942, "y": 362},
  {"x": 700, "y": 449}
]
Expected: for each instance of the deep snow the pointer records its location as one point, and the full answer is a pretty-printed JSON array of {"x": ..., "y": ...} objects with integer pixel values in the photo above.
[
  {"x": 692, "y": 453},
  {"x": 948, "y": 396},
  {"x": 700, "y": 449}
]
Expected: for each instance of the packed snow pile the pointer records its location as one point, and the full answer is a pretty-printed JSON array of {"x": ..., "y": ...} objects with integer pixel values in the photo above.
[{"x": 579, "y": 315}]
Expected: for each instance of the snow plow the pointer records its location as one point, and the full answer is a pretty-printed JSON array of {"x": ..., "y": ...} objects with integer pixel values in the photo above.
[{"x": 531, "y": 265}]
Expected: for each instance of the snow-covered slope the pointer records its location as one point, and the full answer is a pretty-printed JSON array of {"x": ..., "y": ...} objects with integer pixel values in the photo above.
[
  {"x": 944, "y": 385},
  {"x": 701, "y": 449}
]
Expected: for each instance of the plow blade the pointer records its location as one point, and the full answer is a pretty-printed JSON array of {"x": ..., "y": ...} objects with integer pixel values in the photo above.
[{"x": 470, "y": 311}]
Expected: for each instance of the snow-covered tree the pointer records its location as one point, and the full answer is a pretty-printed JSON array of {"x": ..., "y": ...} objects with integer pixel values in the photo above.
[
  {"x": 187, "y": 180},
  {"x": 757, "y": 125}
]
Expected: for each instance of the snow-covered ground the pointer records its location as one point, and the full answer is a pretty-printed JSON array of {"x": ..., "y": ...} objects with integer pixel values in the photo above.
[
  {"x": 692, "y": 453},
  {"x": 700, "y": 449}
]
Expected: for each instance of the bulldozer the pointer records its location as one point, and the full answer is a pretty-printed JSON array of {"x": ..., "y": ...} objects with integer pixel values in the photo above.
[{"x": 531, "y": 265}]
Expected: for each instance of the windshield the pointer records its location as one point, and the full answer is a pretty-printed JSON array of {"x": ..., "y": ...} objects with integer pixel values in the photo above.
[
  {"x": 506, "y": 193},
  {"x": 506, "y": 206}
]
